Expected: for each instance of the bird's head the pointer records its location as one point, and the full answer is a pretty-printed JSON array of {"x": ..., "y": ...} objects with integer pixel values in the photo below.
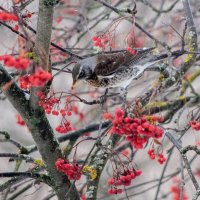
[{"x": 81, "y": 71}]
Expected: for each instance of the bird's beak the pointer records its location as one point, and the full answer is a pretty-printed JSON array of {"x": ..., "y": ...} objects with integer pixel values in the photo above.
[{"x": 74, "y": 84}]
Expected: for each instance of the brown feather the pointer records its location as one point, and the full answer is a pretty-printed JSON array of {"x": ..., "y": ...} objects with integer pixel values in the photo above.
[{"x": 109, "y": 63}]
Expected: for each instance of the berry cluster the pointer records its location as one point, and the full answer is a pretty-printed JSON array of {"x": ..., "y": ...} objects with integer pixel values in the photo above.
[
  {"x": 152, "y": 154},
  {"x": 39, "y": 78},
  {"x": 20, "y": 121},
  {"x": 195, "y": 125},
  {"x": 136, "y": 130},
  {"x": 51, "y": 106},
  {"x": 175, "y": 190},
  {"x": 123, "y": 179},
  {"x": 63, "y": 112},
  {"x": 64, "y": 127},
  {"x": 48, "y": 104},
  {"x": 100, "y": 42},
  {"x": 72, "y": 170},
  {"x": 131, "y": 51},
  {"x": 18, "y": 63},
  {"x": 24, "y": 82},
  {"x": 160, "y": 156},
  {"x": 5, "y": 16},
  {"x": 112, "y": 191}
]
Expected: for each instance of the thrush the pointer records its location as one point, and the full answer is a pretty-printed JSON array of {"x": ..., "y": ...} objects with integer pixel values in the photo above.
[{"x": 109, "y": 70}]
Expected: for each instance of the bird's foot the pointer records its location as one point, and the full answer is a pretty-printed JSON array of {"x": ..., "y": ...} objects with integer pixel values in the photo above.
[
  {"x": 124, "y": 96},
  {"x": 103, "y": 98}
]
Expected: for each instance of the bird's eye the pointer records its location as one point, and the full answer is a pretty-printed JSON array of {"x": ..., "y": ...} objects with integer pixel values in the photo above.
[{"x": 81, "y": 74}]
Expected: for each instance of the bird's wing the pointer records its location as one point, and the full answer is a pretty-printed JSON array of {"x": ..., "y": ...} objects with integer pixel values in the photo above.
[
  {"x": 107, "y": 64},
  {"x": 141, "y": 58}
]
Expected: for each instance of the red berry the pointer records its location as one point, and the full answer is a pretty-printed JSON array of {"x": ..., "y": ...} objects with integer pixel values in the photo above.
[
  {"x": 69, "y": 113},
  {"x": 138, "y": 172},
  {"x": 94, "y": 38}
]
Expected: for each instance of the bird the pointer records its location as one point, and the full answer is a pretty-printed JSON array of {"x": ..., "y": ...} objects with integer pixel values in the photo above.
[{"x": 117, "y": 69}]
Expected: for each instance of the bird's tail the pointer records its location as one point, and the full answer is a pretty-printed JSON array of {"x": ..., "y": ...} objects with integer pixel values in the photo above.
[
  {"x": 145, "y": 59},
  {"x": 153, "y": 63},
  {"x": 174, "y": 55}
]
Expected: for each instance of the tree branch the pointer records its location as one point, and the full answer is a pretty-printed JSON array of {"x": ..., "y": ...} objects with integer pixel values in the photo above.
[
  {"x": 192, "y": 36},
  {"x": 43, "y": 36},
  {"x": 183, "y": 151},
  {"x": 41, "y": 177}
]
